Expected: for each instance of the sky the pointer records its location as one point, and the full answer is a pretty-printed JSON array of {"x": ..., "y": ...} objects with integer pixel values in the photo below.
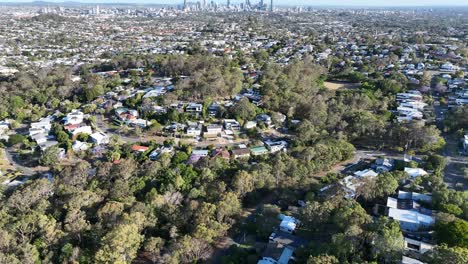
[{"x": 290, "y": 2}]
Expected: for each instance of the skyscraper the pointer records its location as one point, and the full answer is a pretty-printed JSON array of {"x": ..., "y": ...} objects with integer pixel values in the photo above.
[
  {"x": 185, "y": 4},
  {"x": 271, "y": 6},
  {"x": 228, "y": 3}
]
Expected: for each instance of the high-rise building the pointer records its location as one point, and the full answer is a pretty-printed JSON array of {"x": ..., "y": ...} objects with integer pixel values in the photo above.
[
  {"x": 271, "y": 6},
  {"x": 228, "y": 3},
  {"x": 185, "y": 5}
]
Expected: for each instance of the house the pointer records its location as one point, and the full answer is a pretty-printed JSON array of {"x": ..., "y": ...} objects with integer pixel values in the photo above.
[
  {"x": 281, "y": 246},
  {"x": 42, "y": 124},
  {"x": 213, "y": 110},
  {"x": 200, "y": 152},
  {"x": 197, "y": 155},
  {"x": 47, "y": 144},
  {"x": 415, "y": 172},
  {"x": 414, "y": 196},
  {"x": 417, "y": 246},
  {"x": 222, "y": 153},
  {"x": 288, "y": 223},
  {"x": 231, "y": 124},
  {"x": 267, "y": 260},
  {"x": 465, "y": 145},
  {"x": 73, "y": 118},
  {"x": 194, "y": 129},
  {"x": 448, "y": 67},
  {"x": 99, "y": 138},
  {"x": 264, "y": 118},
  {"x": 409, "y": 213},
  {"x": 408, "y": 260},
  {"x": 138, "y": 148},
  {"x": 260, "y": 150},
  {"x": 275, "y": 146},
  {"x": 365, "y": 173},
  {"x": 214, "y": 129},
  {"x": 411, "y": 220},
  {"x": 194, "y": 108},
  {"x": 155, "y": 154},
  {"x": 240, "y": 153},
  {"x": 79, "y": 146},
  {"x": 383, "y": 165},
  {"x": 158, "y": 91},
  {"x": 126, "y": 114},
  {"x": 82, "y": 130},
  {"x": 352, "y": 182},
  {"x": 139, "y": 122},
  {"x": 250, "y": 125}
]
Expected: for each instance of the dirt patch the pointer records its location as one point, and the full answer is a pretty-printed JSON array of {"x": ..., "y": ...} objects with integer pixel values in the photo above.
[{"x": 340, "y": 85}]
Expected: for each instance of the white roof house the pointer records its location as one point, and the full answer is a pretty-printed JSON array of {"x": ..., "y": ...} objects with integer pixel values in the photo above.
[
  {"x": 194, "y": 107},
  {"x": 79, "y": 146},
  {"x": 82, "y": 130},
  {"x": 43, "y": 123},
  {"x": 200, "y": 152},
  {"x": 415, "y": 172},
  {"x": 418, "y": 246},
  {"x": 99, "y": 138},
  {"x": 408, "y": 260},
  {"x": 414, "y": 196},
  {"x": 410, "y": 219},
  {"x": 73, "y": 118},
  {"x": 288, "y": 223},
  {"x": 365, "y": 173}
]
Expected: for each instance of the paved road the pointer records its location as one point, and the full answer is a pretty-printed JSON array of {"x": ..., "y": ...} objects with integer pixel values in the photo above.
[
  {"x": 11, "y": 157},
  {"x": 453, "y": 174}
]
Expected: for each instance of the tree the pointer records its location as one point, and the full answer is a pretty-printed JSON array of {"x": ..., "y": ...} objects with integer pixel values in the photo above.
[
  {"x": 228, "y": 206},
  {"x": 50, "y": 157},
  {"x": 15, "y": 139},
  {"x": 244, "y": 110},
  {"x": 192, "y": 250},
  {"x": 386, "y": 184},
  {"x": 316, "y": 213},
  {"x": 92, "y": 93},
  {"x": 62, "y": 137},
  {"x": 387, "y": 240},
  {"x": 153, "y": 247},
  {"x": 120, "y": 245},
  {"x": 453, "y": 233},
  {"x": 350, "y": 214},
  {"x": 243, "y": 182},
  {"x": 445, "y": 254},
  {"x": 323, "y": 259}
]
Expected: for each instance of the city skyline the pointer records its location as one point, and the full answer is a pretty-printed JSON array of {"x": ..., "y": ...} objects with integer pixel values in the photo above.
[{"x": 337, "y": 3}]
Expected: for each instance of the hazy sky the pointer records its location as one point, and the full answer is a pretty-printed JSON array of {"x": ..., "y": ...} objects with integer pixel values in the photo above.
[{"x": 293, "y": 2}]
